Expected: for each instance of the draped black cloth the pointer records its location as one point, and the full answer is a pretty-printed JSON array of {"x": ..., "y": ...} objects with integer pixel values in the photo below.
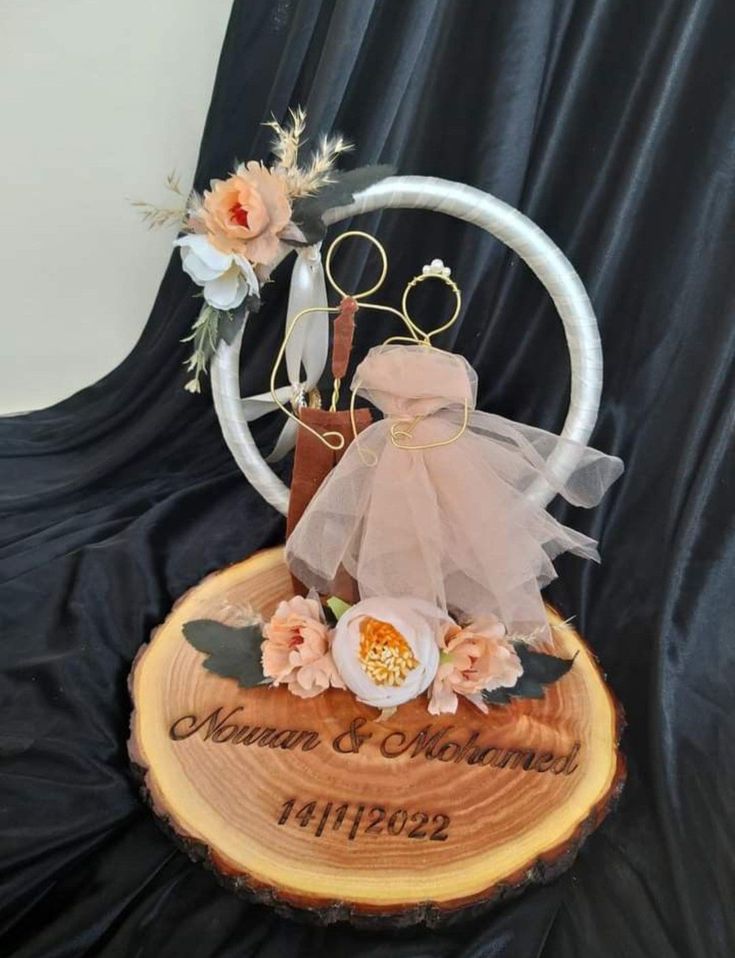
[{"x": 608, "y": 122}]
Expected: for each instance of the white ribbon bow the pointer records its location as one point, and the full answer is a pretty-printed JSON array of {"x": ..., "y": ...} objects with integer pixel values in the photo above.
[{"x": 307, "y": 347}]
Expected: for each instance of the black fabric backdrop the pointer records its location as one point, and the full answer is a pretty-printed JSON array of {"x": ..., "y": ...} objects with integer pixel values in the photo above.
[{"x": 611, "y": 124}]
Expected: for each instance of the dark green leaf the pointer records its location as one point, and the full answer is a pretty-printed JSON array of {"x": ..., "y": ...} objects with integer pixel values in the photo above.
[
  {"x": 233, "y": 653},
  {"x": 228, "y": 327},
  {"x": 527, "y": 689},
  {"x": 329, "y": 617},
  {"x": 539, "y": 669},
  {"x": 309, "y": 210},
  {"x": 311, "y": 225},
  {"x": 252, "y": 304},
  {"x": 230, "y": 323},
  {"x": 342, "y": 190},
  {"x": 496, "y": 696}
]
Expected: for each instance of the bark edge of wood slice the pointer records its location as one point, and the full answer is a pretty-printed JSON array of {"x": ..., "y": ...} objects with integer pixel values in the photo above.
[{"x": 449, "y": 826}]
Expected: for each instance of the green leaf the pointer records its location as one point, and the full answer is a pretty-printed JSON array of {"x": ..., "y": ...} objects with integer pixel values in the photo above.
[
  {"x": 229, "y": 326},
  {"x": 344, "y": 186},
  {"x": 539, "y": 669},
  {"x": 313, "y": 228},
  {"x": 338, "y": 606},
  {"x": 309, "y": 210},
  {"x": 496, "y": 696},
  {"x": 233, "y": 653}
]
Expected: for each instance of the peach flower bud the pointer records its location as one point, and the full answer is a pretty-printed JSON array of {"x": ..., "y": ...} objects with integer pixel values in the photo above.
[
  {"x": 473, "y": 658},
  {"x": 296, "y": 648}
]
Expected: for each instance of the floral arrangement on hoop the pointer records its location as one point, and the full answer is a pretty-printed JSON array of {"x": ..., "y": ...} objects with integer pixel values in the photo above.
[
  {"x": 235, "y": 232},
  {"x": 386, "y": 651}
]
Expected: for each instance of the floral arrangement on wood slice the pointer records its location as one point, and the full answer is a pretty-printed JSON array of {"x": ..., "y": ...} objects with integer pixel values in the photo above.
[
  {"x": 386, "y": 651},
  {"x": 234, "y": 232}
]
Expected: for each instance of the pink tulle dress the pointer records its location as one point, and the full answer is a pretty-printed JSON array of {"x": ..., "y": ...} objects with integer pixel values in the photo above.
[{"x": 459, "y": 525}]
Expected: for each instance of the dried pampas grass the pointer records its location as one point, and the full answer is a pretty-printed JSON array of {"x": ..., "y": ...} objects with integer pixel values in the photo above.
[
  {"x": 156, "y": 217},
  {"x": 287, "y": 142}
]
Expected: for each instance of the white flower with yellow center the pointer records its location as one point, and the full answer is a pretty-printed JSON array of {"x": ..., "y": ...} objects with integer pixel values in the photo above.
[{"x": 387, "y": 649}]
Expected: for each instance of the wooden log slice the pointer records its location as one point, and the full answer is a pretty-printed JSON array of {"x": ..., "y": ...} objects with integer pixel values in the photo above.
[{"x": 314, "y": 804}]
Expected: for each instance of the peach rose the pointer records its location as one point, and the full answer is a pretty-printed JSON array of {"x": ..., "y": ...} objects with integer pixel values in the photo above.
[
  {"x": 244, "y": 214},
  {"x": 471, "y": 659},
  {"x": 296, "y": 648}
]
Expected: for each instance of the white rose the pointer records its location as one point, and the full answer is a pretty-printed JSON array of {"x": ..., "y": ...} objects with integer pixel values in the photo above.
[
  {"x": 226, "y": 278},
  {"x": 387, "y": 649}
]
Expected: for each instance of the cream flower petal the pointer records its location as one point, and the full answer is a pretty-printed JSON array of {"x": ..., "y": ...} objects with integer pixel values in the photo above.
[
  {"x": 443, "y": 699},
  {"x": 196, "y": 270},
  {"x": 248, "y": 273},
  {"x": 418, "y": 622},
  {"x": 200, "y": 260},
  {"x": 226, "y": 291}
]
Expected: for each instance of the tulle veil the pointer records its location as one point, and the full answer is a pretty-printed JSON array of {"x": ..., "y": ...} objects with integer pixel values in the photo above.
[{"x": 451, "y": 524}]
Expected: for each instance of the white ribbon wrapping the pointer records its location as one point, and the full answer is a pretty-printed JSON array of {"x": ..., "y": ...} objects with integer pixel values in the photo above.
[{"x": 307, "y": 347}]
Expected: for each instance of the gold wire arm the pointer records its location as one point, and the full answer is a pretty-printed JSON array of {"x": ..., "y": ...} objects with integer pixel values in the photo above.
[
  {"x": 397, "y": 433},
  {"x": 361, "y": 450},
  {"x": 416, "y": 334},
  {"x": 335, "y": 440},
  {"x": 409, "y": 339},
  {"x": 323, "y": 437},
  {"x": 358, "y": 297}
]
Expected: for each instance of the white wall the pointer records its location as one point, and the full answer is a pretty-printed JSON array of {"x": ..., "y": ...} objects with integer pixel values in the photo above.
[{"x": 99, "y": 100}]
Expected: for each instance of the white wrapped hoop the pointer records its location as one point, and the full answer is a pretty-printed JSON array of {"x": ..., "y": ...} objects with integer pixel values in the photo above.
[{"x": 524, "y": 238}]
